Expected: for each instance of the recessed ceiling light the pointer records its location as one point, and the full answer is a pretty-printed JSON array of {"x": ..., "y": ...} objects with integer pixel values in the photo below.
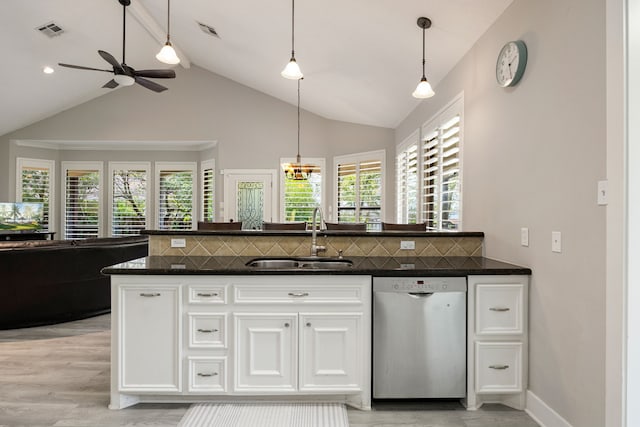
[{"x": 48, "y": 70}]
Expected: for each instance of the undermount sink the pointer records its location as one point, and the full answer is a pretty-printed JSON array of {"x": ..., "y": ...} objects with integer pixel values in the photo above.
[{"x": 301, "y": 263}]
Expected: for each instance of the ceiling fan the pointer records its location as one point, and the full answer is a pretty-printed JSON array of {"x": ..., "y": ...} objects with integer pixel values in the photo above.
[{"x": 124, "y": 75}]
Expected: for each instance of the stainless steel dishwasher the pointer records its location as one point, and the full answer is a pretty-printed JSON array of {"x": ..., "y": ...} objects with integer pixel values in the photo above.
[{"x": 419, "y": 337}]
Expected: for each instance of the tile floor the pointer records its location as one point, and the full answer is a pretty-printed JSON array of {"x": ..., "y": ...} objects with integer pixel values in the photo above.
[{"x": 59, "y": 376}]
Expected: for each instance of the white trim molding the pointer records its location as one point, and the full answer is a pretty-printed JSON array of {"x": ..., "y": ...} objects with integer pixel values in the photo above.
[
  {"x": 85, "y": 145},
  {"x": 542, "y": 413}
]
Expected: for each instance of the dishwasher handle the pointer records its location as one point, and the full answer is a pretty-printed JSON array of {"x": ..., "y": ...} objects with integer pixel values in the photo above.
[{"x": 419, "y": 294}]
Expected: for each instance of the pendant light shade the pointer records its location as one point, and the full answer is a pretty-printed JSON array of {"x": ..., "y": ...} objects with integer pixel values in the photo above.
[
  {"x": 292, "y": 70},
  {"x": 297, "y": 171},
  {"x": 424, "y": 89},
  {"x": 167, "y": 54}
]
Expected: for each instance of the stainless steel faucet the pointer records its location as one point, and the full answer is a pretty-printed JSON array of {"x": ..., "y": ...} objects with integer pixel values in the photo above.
[{"x": 315, "y": 248}]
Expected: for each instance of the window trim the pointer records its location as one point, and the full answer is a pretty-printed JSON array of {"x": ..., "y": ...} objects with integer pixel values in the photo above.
[
  {"x": 204, "y": 165},
  {"x": 175, "y": 167},
  {"x": 146, "y": 166},
  {"x": 320, "y": 161},
  {"x": 356, "y": 158},
  {"x": 39, "y": 163},
  {"x": 81, "y": 165}
]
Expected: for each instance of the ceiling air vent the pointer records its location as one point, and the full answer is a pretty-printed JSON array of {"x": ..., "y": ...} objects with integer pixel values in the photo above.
[
  {"x": 50, "y": 29},
  {"x": 208, "y": 29}
]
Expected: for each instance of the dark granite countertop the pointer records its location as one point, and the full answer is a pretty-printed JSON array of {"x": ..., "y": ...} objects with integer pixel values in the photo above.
[
  {"x": 373, "y": 266},
  {"x": 308, "y": 233}
]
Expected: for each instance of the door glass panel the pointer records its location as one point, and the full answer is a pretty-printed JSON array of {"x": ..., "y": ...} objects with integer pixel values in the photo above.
[{"x": 250, "y": 204}]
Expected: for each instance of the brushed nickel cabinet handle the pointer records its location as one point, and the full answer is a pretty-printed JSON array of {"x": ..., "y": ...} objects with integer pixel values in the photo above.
[
  {"x": 148, "y": 294},
  {"x": 499, "y": 308},
  {"x": 207, "y": 331},
  {"x": 298, "y": 294},
  {"x": 202, "y": 294},
  {"x": 499, "y": 367},
  {"x": 200, "y": 374}
]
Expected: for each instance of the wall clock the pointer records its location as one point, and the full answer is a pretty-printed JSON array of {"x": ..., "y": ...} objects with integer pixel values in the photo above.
[{"x": 511, "y": 63}]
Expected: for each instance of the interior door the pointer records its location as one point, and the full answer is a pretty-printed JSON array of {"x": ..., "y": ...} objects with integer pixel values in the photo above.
[{"x": 250, "y": 197}]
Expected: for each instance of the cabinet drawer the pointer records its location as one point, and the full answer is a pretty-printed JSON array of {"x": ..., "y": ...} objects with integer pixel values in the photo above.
[
  {"x": 207, "y": 330},
  {"x": 292, "y": 294},
  {"x": 205, "y": 294},
  {"x": 498, "y": 367},
  {"x": 207, "y": 374},
  {"x": 499, "y": 309}
]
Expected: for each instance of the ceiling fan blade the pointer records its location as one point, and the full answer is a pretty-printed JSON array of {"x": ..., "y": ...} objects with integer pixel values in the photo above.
[
  {"x": 111, "y": 84},
  {"x": 79, "y": 67},
  {"x": 150, "y": 85},
  {"x": 111, "y": 60},
  {"x": 156, "y": 74}
]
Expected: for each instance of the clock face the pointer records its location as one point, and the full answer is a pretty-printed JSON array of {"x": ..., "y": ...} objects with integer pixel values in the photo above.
[{"x": 511, "y": 63}]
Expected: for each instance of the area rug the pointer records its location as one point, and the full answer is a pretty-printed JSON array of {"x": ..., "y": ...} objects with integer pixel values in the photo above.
[{"x": 265, "y": 415}]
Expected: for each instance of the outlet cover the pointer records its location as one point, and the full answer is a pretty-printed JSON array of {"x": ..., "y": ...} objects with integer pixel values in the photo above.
[
  {"x": 178, "y": 243},
  {"x": 407, "y": 244}
]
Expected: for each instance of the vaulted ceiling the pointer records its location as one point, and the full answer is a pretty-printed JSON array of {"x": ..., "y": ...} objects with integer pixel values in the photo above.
[{"x": 361, "y": 58}]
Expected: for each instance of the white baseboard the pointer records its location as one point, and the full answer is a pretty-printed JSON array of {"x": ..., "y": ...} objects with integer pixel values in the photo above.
[{"x": 542, "y": 413}]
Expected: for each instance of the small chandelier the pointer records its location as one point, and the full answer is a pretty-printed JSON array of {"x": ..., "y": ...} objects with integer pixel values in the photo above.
[
  {"x": 424, "y": 89},
  {"x": 297, "y": 171},
  {"x": 292, "y": 70},
  {"x": 167, "y": 54}
]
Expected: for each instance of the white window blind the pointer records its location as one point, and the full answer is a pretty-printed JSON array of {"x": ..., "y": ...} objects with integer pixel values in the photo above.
[
  {"x": 175, "y": 196},
  {"x": 82, "y": 200},
  {"x": 407, "y": 184},
  {"x": 300, "y": 197},
  {"x": 129, "y": 198},
  {"x": 208, "y": 190},
  {"x": 359, "y": 188},
  {"x": 34, "y": 181}
]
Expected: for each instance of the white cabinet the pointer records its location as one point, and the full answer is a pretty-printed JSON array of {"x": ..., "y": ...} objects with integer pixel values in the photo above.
[
  {"x": 149, "y": 344},
  {"x": 497, "y": 340}
]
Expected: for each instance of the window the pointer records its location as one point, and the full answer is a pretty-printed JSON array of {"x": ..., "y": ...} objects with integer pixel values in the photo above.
[
  {"x": 207, "y": 190},
  {"x": 175, "y": 195},
  {"x": 435, "y": 158},
  {"x": 359, "y": 192},
  {"x": 129, "y": 197},
  {"x": 82, "y": 195},
  {"x": 34, "y": 183},
  {"x": 300, "y": 197}
]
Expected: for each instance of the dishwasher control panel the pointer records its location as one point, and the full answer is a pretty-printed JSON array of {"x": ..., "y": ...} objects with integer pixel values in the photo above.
[{"x": 419, "y": 284}]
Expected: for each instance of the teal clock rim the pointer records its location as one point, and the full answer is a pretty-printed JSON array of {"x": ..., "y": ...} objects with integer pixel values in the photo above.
[{"x": 522, "y": 64}]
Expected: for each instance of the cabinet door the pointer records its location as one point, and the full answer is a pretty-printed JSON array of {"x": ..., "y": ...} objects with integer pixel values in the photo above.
[
  {"x": 499, "y": 309},
  {"x": 330, "y": 351},
  {"x": 149, "y": 338},
  {"x": 265, "y": 352},
  {"x": 498, "y": 367}
]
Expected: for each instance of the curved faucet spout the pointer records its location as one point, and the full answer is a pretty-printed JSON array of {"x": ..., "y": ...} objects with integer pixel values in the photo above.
[{"x": 315, "y": 248}]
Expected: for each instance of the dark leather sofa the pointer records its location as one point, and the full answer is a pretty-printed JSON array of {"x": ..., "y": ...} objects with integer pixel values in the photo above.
[{"x": 51, "y": 281}]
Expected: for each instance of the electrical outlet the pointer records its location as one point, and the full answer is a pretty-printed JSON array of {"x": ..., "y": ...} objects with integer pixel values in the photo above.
[
  {"x": 524, "y": 236},
  {"x": 556, "y": 241},
  {"x": 407, "y": 244},
  {"x": 178, "y": 243}
]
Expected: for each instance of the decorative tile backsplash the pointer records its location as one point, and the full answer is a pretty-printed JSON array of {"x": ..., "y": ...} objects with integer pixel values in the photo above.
[{"x": 265, "y": 245}]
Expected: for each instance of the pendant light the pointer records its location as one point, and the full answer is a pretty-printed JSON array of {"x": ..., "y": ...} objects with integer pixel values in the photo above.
[
  {"x": 292, "y": 70},
  {"x": 297, "y": 171},
  {"x": 167, "y": 54},
  {"x": 424, "y": 89}
]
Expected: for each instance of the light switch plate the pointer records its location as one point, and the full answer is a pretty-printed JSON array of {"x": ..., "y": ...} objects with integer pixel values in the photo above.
[
  {"x": 603, "y": 193},
  {"x": 556, "y": 241},
  {"x": 407, "y": 244},
  {"x": 178, "y": 243},
  {"x": 524, "y": 236}
]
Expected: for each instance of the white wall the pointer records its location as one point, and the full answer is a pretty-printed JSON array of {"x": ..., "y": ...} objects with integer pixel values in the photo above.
[
  {"x": 532, "y": 157},
  {"x": 252, "y": 129}
]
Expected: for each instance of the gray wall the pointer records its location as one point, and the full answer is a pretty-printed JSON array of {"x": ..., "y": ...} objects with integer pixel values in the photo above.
[
  {"x": 532, "y": 157},
  {"x": 252, "y": 130}
]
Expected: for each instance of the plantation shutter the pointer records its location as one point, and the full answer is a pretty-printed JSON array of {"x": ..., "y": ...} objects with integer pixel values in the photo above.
[
  {"x": 129, "y": 201},
  {"x": 175, "y": 200},
  {"x": 36, "y": 180},
  {"x": 359, "y": 189},
  {"x": 347, "y": 194},
  {"x": 370, "y": 192},
  {"x": 82, "y": 204},
  {"x": 208, "y": 191},
  {"x": 302, "y": 196},
  {"x": 407, "y": 184}
]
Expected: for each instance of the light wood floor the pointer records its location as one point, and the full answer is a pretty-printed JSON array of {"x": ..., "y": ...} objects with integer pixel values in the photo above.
[{"x": 59, "y": 376}]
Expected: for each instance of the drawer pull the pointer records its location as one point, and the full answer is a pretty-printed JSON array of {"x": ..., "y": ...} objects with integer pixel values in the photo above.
[
  {"x": 200, "y": 374},
  {"x": 499, "y": 367},
  {"x": 298, "y": 294},
  {"x": 207, "y": 295},
  {"x": 499, "y": 308},
  {"x": 154, "y": 294},
  {"x": 207, "y": 331}
]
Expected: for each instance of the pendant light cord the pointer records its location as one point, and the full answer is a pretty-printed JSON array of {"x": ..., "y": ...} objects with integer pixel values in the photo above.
[
  {"x": 424, "y": 77},
  {"x": 298, "y": 120},
  {"x": 124, "y": 30},
  {"x": 293, "y": 23},
  {"x": 168, "y": 20}
]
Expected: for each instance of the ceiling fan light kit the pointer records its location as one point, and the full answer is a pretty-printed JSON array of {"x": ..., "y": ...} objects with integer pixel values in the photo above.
[
  {"x": 167, "y": 54},
  {"x": 424, "y": 89},
  {"x": 292, "y": 69}
]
